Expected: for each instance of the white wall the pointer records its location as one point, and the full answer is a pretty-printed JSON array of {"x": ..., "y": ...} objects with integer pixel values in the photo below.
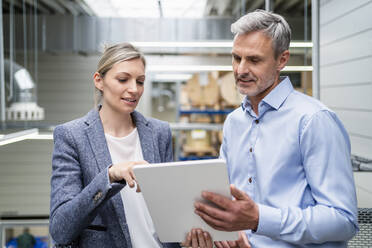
[
  {"x": 346, "y": 76},
  {"x": 346, "y": 67}
]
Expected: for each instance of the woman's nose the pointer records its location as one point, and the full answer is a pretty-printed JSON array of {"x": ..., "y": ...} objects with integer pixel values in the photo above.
[{"x": 133, "y": 85}]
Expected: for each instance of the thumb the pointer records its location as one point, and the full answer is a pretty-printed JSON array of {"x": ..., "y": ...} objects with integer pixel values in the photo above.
[
  {"x": 243, "y": 240},
  {"x": 141, "y": 162},
  {"x": 238, "y": 194}
]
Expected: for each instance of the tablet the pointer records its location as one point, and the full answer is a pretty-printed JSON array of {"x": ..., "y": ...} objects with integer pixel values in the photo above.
[{"x": 170, "y": 190}]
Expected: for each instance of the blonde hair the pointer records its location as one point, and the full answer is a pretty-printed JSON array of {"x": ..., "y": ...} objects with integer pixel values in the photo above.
[{"x": 112, "y": 55}]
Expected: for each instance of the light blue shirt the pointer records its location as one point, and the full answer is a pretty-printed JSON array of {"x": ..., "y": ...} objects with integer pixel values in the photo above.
[{"x": 293, "y": 160}]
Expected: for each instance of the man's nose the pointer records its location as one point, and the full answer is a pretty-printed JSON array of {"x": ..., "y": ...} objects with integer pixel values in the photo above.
[{"x": 243, "y": 67}]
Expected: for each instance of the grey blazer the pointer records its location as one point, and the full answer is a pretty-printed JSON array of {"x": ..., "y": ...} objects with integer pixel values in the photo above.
[{"x": 85, "y": 209}]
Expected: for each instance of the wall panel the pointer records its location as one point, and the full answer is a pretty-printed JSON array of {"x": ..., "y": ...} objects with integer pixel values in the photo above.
[{"x": 347, "y": 25}]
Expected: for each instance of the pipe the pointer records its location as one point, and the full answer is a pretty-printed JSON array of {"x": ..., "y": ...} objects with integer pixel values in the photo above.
[
  {"x": 305, "y": 39},
  {"x": 315, "y": 52},
  {"x": 36, "y": 45},
  {"x": 11, "y": 48},
  {"x": 2, "y": 77},
  {"x": 269, "y": 5},
  {"x": 24, "y": 33}
]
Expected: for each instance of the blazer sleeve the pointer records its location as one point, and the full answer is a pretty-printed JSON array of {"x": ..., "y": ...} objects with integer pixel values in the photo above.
[
  {"x": 169, "y": 148},
  {"x": 74, "y": 206}
]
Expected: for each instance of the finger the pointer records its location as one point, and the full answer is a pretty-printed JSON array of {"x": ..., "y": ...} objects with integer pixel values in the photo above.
[
  {"x": 243, "y": 241},
  {"x": 221, "y": 201},
  {"x": 194, "y": 239},
  {"x": 215, "y": 223},
  {"x": 138, "y": 188},
  {"x": 212, "y": 211},
  {"x": 187, "y": 242},
  {"x": 232, "y": 244},
  {"x": 140, "y": 162},
  {"x": 218, "y": 244},
  {"x": 238, "y": 194},
  {"x": 208, "y": 238},
  {"x": 225, "y": 244},
  {"x": 131, "y": 172},
  {"x": 201, "y": 240},
  {"x": 128, "y": 178}
]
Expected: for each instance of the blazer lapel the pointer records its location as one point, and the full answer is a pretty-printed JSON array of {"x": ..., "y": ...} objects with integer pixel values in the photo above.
[
  {"x": 99, "y": 146},
  {"x": 146, "y": 137},
  {"x": 97, "y": 140}
]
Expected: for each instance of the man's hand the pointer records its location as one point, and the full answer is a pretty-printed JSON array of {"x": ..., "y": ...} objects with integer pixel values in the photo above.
[
  {"x": 240, "y": 213},
  {"x": 198, "y": 238},
  {"x": 242, "y": 242}
]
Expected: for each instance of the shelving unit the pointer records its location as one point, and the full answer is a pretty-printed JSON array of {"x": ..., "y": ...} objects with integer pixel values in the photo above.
[{"x": 179, "y": 127}]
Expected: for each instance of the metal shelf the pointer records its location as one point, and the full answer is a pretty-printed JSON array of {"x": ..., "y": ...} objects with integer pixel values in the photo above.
[
  {"x": 193, "y": 126},
  {"x": 205, "y": 111},
  {"x": 184, "y": 158}
]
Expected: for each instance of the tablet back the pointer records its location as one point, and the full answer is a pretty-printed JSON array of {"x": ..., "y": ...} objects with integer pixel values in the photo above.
[{"x": 170, "y": 190}]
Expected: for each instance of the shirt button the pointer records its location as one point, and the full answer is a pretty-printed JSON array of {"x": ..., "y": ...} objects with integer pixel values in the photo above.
[
  {"x": 250, "y": 180},
  {"x": 257, "y": 121},
  {"x": 250, "y": 149}
]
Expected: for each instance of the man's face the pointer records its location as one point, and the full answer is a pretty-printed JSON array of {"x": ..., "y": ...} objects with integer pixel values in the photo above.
[{"x": 255, "y": 68}]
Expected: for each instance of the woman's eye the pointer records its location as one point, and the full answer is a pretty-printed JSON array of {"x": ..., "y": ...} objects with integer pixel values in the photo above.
[
  {"x": 122, "y": 80},
  {"x": 140, "y": 82}
]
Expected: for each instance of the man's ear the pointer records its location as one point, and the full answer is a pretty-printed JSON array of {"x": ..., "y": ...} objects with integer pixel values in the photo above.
[
  {"x": 283, "y": 60},
  {"x": 98, "y": 81}
]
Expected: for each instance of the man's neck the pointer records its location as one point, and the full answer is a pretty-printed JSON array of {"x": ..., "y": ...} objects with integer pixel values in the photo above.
[{"x": 255, "y": 100}]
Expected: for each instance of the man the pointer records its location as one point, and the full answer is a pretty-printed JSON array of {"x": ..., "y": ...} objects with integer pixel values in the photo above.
[
  {"x": 288, "y": 155},
  {"x": 26, "y": 240}
]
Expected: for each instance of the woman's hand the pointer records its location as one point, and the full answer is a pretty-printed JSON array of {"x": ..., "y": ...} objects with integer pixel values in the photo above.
[{"x": 124, "y": 170}]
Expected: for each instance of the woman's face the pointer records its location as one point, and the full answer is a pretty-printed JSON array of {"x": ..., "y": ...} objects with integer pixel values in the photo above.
[{"x": 122, "y": 86}]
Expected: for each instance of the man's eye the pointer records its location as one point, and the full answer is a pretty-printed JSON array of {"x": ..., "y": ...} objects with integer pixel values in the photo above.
[
  {"x": 236, "y": 58},
  {"x": 140, "y": 82}
]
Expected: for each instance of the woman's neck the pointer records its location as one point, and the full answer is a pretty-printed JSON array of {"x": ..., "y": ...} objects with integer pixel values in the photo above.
[{"x": 114, "y": 123}]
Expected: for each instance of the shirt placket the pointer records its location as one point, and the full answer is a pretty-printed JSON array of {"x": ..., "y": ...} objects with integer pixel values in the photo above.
[{"x": 253, "y": 138}]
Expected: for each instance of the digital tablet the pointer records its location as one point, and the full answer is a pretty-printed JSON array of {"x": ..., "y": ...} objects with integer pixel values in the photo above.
[{"x": 170, "y": 190}]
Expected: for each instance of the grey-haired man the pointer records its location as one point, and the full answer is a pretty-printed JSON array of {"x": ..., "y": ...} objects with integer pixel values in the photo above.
[{"x": 288, "y": 155}]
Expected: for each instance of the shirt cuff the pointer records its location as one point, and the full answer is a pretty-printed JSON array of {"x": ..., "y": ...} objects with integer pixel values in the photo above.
[{"x": 269, "y": 221}]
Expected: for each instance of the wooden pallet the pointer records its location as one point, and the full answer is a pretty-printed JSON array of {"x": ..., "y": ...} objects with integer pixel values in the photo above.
[{"x": 199, "y": 151}]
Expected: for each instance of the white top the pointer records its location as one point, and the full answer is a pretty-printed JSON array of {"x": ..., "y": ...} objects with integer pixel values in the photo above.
[{"x": 141, "y": 227}]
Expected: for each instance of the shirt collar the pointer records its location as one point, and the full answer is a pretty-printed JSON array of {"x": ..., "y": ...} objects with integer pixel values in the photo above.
[{"x": 276, "y": 96}]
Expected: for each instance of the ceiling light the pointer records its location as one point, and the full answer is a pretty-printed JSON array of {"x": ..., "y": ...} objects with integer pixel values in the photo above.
[
  {"x": 201, "y": 44},
  {"x": 204, "y": 44},
  {"x": 199, "y": 68},
  {"x": 178, "y": 76},
  {"x": 18, "y": 136},
  {"x": 42, "y": 137},
  {"x": 148, "y": 8}
]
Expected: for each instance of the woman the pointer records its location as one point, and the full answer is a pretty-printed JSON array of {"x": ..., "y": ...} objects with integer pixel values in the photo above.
[{"x": 93, "y": 157}]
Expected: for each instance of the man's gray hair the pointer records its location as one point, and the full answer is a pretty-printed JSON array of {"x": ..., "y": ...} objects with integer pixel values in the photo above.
[{"x": 273, "y": 25}]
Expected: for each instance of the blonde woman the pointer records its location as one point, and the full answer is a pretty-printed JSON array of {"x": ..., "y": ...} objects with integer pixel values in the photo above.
[{"x": 91, "y": 203}]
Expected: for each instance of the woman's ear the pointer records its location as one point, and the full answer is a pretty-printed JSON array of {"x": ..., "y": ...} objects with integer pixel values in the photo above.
[
  {"x": 98, "y": 81},
  {"x": 283, "y": 60}
]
